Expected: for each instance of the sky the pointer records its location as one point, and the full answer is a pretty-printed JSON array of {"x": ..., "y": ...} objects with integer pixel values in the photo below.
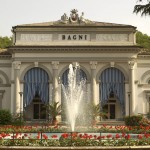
[{"x": 17, "y": 12}]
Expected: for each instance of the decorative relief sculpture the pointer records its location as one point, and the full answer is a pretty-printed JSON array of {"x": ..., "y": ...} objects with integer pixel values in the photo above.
[
  {"x": 74, "y": 18},
  {"x": 64, "y": 18},
  {"x": 17, "y": 65}
]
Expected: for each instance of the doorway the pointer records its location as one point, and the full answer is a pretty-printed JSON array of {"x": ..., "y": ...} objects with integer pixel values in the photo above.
[
  {"x": 39, "y": 111},
  {"x": 110, "y": 109}
]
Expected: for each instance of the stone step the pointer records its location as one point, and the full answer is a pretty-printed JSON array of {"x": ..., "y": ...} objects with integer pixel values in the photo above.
[{"x": 109, "y": 122}]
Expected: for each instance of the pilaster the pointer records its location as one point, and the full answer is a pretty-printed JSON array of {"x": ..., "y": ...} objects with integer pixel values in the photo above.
[
  {"x": 55, "y": 65},
  {"x": 131, "y": 86},
  {"x": 93, "y": 81},
  {"x": 17, "y": 65}
]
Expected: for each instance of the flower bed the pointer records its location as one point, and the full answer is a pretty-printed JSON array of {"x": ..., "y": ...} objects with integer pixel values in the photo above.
[
  {"x": 57, "y": 136},
  {"x": 73, "y": 139},
  {"x": 103, "y": 128}
]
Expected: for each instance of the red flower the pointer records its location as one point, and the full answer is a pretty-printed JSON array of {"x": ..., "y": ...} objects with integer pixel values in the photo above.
[
  {"x": 99, "y": 137},
  {"x": 117, "y": 136},
  {"x": 109, "y": 136},
  {"x": 95, "y": 136},
  {"x": 147, "y": 135},
  {"x": 39, "y": 135},
  {"x": 90, "y": 136},
  {"x": 54, "y": 136},
  {"x": 3, "y": 135},
  {"x": 127, "y": 137},
  {"x": 45, "y": 136},
  {"x": 65, "y": 135},
  {"x": 102, "y": 137},
  {"x": 80, "y": 135},
  {"x": 139, "y": 136},
  {"x": 74, "y": 135},
  {"x": 123, "y": 134}
]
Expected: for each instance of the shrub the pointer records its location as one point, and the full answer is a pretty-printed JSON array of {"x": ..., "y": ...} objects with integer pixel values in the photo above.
[
  {"x": 145, "y": 122},
  {"x": 133, "y": 120},
  {"x": 148, "y": 115},
  {"x": 5, "y": 117}
]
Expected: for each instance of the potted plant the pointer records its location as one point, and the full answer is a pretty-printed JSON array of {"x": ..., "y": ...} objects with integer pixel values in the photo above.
[
  {"x": 93, "y": 111},
  {"x": 53, "y": 110}
]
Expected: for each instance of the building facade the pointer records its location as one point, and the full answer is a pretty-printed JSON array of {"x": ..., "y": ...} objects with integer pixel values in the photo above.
[{"x": 117, "y": 71}]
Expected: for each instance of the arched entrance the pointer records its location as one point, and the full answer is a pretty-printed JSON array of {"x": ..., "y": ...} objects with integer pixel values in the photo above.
[
  {"x": 36, "y": 93},
  {"x": 112, "y": 93}
]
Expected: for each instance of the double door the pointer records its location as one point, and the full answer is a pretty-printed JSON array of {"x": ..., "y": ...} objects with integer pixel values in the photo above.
[
  {"x": 39, "y": 111},
  {"x": 110, "y": 109}
]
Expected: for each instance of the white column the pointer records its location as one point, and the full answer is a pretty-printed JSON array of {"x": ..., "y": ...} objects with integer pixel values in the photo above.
[
  {"x": 132, "y": 87},
  {"x": 17, "y": 65},
  {"x": 93, "y": 81},
  {"x": 55, "y": 80},
  {"x": 127, "y": 98},
  {"x": 12, "y": 89},
  {"x": 50, "y": 92}
]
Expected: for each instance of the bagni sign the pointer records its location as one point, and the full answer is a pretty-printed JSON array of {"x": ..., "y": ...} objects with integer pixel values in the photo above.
[{"x": 74, "y": 37}]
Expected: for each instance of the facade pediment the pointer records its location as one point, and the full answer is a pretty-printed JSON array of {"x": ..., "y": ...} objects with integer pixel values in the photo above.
[{"x": 74, "y": 30}]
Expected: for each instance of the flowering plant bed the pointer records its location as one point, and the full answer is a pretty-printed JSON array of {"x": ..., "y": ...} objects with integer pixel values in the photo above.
[
  {"x": 73, "y": 139},
  {"x": 103, "y": 128},
  {"x": 57, "y": 136}
]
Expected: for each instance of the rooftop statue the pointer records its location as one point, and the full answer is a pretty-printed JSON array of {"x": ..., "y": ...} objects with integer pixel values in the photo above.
[
  {"x": 82, "y": 19},
  {"x": 64, "y": 18},
  {"x": 74, "y": 18}
]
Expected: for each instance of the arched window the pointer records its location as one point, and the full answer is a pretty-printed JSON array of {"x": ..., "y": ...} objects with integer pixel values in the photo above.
[
  {"x": 112, "y": 84},
  {"x": 36, "y": 81}
]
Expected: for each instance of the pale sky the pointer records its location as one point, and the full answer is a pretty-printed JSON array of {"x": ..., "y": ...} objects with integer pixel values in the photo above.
[{"x": 17, "y": 12}]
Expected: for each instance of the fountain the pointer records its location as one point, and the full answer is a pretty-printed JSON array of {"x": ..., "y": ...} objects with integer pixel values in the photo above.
[{"x": 73, "y": 94}]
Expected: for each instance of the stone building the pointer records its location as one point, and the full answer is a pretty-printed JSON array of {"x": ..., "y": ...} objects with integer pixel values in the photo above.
[{"x": 117, "y": 72}]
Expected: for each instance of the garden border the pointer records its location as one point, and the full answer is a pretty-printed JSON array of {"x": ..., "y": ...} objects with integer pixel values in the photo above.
[{"x": 75, "y": 148}]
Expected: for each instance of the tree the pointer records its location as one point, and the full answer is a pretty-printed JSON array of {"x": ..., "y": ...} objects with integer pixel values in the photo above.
[
  {"x": 143, "y": 40},
  {"x": 5, "y": 42},
  {"x": 144, "y": 9}
]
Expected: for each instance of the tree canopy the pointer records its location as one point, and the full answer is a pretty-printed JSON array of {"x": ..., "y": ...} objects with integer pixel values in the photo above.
[
  {"x": 143, "y": 7},
  {"x": 143, "y": 40},
  {"x": 5, "y": 42}
]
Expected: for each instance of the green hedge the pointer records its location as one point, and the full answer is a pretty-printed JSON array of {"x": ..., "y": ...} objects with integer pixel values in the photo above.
[
  {"x": 133, "y": 120},
  {"x": 5, "y": 117}
]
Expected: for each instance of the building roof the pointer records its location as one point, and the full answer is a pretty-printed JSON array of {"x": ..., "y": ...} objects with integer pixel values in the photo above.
[
  {"x": 75, "y": 19},
  {"x": 59, "y": 23}
]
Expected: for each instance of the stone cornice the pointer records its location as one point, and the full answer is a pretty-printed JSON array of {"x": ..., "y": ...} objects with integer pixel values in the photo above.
[
  {"x": 75, "y": 29},
  {"x": 74, "y": 49},
  {"x": 70, "y": 59},
  {"x": 5, "y": 56},
  {"x": 144, "y": 56}
]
